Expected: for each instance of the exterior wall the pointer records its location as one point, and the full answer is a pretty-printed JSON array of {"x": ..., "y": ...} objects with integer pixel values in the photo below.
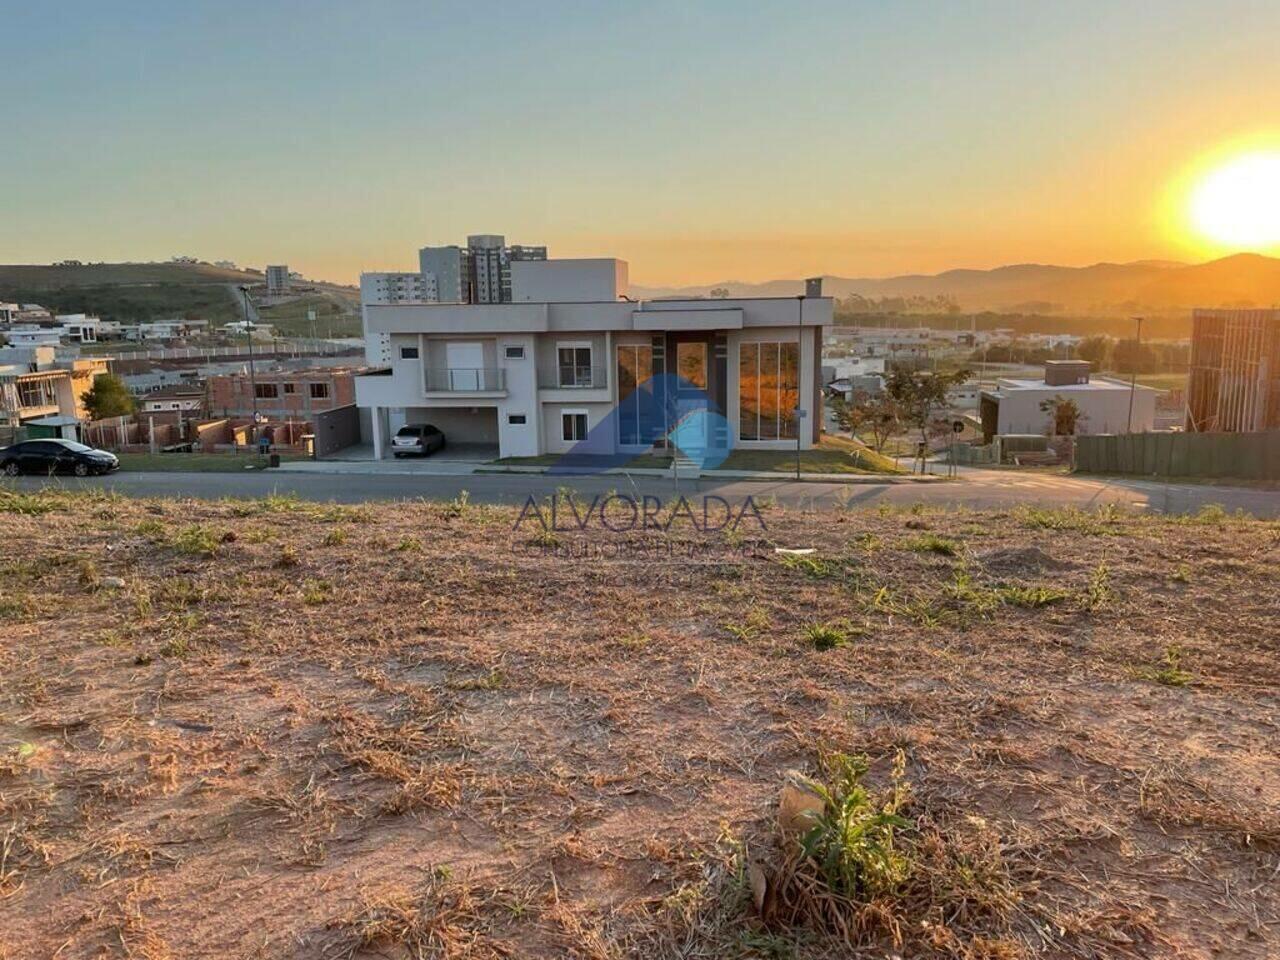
[
  {"x": 552, "y": 424},
  {"x": 568, "y": 281},
  {"x": 1102, "y": 411},
  {"x": 233, "y": 395}
]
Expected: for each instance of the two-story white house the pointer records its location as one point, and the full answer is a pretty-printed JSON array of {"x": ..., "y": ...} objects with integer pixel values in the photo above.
[{"x": 573, "y": 355}]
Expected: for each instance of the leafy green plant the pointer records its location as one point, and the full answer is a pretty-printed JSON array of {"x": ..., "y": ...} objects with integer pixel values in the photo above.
[
  {"x": 1099, "y": 592},
  {"x": 852, "y": 841},
  {"x": 757, "y": 621},
  {"x": 335, "y": 537},
  {"x": 811, "y": 566},
  {"x": 828, "y": 636},
  {"x": 1031, "y": 597}
]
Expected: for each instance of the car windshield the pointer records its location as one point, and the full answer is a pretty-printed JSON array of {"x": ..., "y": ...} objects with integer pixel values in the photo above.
[
  {"x": 409, "y": 431},
  {"x": 74, "y": 446}
]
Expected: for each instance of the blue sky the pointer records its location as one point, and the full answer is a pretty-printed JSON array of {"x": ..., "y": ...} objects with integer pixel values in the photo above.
[{"x": 700, "y": 141}]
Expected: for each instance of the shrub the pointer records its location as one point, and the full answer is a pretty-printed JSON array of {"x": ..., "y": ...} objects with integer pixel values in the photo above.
[
  {"x": 827, "y": 636},
  {"x": 932, "y": 543}
]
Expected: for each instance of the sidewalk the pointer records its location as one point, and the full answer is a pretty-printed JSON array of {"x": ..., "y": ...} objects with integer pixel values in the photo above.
[{"x": 431, "y": 467}]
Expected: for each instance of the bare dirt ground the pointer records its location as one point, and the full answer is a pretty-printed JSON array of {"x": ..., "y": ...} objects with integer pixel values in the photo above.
[{"x": 283, "y": 729}]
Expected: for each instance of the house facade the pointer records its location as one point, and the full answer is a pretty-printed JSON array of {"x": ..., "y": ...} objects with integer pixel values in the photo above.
[{"x": 542, "y": 376}]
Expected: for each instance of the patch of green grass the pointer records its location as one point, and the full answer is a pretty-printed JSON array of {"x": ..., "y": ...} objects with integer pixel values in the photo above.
[
  {"x": 1101, "y": 522},
  {"x": 809, "y": 565},
  {"x": 408, "y": 545},
  {"x": 755, "y": 623},
  {"x": 493, "y": 680},
  {"x": 1032, "y": 597},
  {"x": 292, "y": 504},
  {"x": 828, "y": 636},
  {"x": 1168, "y": 672},
  {"x": 335, "y": 538},
  {"x": 31, "y": 504},
  {"x": 1099, "y": 592},
  {"x": 196, "y": 539},
  {"x": 316, "y": 592},
  {"x": 932, "y": 543},
  {"x": 831, "y": 455},
  {"x": 1182, "y": 574}
]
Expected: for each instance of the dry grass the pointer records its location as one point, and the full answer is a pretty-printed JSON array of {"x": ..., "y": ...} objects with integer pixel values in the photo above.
[{"x": 304, "y": 730}]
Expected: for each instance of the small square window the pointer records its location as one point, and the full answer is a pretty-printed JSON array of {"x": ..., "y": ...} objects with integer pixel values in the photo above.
[
  {"x": 290, "y": 388},
  {"x": 516, "y": 419},
  {"x": 515, "y": 353},
  {"x": 265, "y": 391},
  {"x": 573, "y": 426},
  {"x": 408, "y": 353},
  {"x": 319, "y": 391}
]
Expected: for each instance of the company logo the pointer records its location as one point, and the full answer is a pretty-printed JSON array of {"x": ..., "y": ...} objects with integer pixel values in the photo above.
[{"x": 663, "y": 410}]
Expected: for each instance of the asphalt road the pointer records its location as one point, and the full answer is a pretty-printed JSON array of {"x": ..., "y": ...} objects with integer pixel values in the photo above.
[{"x": 976, "y": 488}]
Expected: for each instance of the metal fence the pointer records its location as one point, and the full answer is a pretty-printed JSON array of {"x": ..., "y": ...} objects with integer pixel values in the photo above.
[
  {"x": 267, "y": 348},
  {"x": 1239, "y": 456}
]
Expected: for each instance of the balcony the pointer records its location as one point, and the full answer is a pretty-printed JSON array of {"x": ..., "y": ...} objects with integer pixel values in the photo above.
[
  {"x": 569, "y": 377},
  {"x": 465, "y": 380}
]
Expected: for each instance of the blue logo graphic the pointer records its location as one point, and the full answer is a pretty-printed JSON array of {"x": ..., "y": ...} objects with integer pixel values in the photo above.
[{"x": 666, "y": 408}]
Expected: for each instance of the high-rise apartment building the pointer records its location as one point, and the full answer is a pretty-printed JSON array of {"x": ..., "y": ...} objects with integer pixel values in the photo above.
[
  {"x": 1234, "y": 384},
  {"x": 391, "y": 288},
  {"x": 480, "y": 272},
  {"x": 277, "y": 280}
]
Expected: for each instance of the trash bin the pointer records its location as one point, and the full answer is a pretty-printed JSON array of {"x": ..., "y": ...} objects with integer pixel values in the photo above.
[{"x": 273, "y": 460}]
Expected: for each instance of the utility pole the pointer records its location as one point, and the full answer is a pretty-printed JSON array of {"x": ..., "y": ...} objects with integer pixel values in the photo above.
[
  {"x": 248, "y": 330},
  {"x": 1133, "y": 377}
]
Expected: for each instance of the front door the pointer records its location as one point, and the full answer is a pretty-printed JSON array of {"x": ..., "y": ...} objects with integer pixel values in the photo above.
[{"x": 466, "y": 365}]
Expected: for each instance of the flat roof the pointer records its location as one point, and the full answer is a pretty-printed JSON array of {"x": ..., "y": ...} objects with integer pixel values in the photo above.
[{"x": 1094, "y": 385}]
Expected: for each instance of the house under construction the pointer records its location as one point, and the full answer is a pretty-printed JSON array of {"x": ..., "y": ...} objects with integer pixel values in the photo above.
[{"x": 1234, "y": 384}]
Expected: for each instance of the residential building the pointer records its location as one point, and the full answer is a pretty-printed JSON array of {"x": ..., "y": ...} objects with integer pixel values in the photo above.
[
  {"x": 391, "y": 288},
  {"x": 582, "y": 363},
  {"x": 9, "y": 312},
  {"x": 172, "y": 403},
  {"x": 480, "y": 272},
  {"x": 79, "y": 327},
  {"x": 33, "y": 385},
  {"x": 1106, "y": 405},
  {"x": 30, "y": 335},
  {"x": 282, "y": 394},
  {"x": 277, "y": 280},
  {"x": 1234, "y": 384}
]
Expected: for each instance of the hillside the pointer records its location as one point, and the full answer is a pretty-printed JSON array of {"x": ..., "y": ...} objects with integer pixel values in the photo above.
[
  {"x": 1103, "y": 289},
  {"x": 132, "y": 292},
  {"x": 271, "y": 728}
]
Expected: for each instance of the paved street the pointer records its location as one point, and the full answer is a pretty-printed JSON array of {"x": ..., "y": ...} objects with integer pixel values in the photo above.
[{"x": 977, "y": 488}]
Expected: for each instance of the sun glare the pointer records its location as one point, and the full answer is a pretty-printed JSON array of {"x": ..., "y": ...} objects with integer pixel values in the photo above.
[{"x": 1237, "y": 204}]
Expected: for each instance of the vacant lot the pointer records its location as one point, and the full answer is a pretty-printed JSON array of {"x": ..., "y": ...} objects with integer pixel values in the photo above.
[{"x": 281, "y": 729}]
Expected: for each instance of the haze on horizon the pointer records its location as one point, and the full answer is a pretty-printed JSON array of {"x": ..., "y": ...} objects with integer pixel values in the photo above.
[{"x": 700, "y": 142}]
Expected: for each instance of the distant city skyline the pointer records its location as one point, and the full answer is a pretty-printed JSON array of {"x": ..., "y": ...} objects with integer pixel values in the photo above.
[{"x": 701, "y": 143}]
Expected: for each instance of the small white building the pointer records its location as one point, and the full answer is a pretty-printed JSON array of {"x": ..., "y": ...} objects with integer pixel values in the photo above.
[
  {"x": 79, "y": 327},
  {"x": 1106, "y": 405},
  {"x": 583, "y": 363},
  {"x": 32, "y": 336}
]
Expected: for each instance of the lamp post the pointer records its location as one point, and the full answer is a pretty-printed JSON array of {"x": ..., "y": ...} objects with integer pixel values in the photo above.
[
  {"x": 248, "y": 331},
  {"x": 1133, "y": 376}
]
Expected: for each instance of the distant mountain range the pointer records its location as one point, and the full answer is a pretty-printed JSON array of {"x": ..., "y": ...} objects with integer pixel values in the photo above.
[{"x": 1104, "y": 289}]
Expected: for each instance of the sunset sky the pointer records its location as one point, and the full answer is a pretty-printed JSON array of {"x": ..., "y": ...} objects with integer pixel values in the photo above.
[{"x": 700, "y": 141}]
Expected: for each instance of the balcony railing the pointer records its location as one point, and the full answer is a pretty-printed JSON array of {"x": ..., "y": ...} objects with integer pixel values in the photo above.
[
  {"x": 570, "y": 377},
  {"x": 465, "y": 379}
]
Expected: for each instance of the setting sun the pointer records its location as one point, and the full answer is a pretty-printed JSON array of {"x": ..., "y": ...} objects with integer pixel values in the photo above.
[{"x": 1238, "y": 203}]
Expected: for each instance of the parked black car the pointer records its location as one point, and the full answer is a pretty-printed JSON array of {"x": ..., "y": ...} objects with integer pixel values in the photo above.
[
  {"x": 417, "y": 438},
  {"x": 56, "y": 456}
]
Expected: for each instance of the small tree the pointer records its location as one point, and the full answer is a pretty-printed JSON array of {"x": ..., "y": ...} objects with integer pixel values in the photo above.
[
  {"x": 876, "y": 415},
  {"x": 920, "y": 394},
  {"x": 1066, "y": 415},
  {"x": 108, "y": 397},
  {"x": 720, "y": 293}
]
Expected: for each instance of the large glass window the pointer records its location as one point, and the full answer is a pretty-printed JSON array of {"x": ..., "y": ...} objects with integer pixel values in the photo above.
[
  {"x": 768, "y": 390},
  {"x": 575, "y": 366},
  {"x": 635, "y": 368}
]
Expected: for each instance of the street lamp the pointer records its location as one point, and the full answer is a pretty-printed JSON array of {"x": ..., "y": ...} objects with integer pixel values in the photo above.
[
  {"x": 248, "y": 332},
  {"x": 1133, "y": 376}
]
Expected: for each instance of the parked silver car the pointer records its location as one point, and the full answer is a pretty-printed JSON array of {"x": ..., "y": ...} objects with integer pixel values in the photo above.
[{"x": 416, "y": 439}]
